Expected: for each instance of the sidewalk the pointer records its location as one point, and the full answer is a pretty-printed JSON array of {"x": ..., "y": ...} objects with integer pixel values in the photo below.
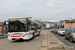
[
  {"x": 3, "y": 36},
  {"x": 50, "y": 42}
]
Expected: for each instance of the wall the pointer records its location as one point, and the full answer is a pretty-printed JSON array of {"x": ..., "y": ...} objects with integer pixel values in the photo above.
[{"x": 69, "y": 25}]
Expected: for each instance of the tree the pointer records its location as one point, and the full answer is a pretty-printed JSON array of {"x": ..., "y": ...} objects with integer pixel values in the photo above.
[{"x": 62, "y": 26}]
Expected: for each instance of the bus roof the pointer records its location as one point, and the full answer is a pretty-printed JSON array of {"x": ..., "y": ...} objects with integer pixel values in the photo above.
[
  {"x": 34, "y": 21},
  {"x": 23, "y": 19}
]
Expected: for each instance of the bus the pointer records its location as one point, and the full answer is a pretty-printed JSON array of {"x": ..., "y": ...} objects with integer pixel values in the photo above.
[{"x": 23, "y": 28}]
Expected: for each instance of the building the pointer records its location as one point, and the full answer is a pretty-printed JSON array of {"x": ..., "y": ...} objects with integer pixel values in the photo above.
[
  {"x": 69, "y": 23},
  {"x": 60, "y": 22},
  {"x": 1, "y": 28},
  {"x": 48, "y": 25},
  {"x": 1, "y": 23}
]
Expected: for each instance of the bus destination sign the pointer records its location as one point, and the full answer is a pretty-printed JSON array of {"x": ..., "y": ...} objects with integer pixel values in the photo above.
[{"x": 11, "y": 20}]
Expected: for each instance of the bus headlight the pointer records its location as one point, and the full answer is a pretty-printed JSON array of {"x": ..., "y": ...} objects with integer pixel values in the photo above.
[{"x": 9, "y": 35}]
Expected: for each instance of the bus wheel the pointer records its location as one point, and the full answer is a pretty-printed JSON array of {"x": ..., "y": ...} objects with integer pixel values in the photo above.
[{"x": 33, "y": 36}]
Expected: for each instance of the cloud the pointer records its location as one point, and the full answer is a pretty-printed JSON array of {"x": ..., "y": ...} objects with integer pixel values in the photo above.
[{"x": 39, "y": 9}]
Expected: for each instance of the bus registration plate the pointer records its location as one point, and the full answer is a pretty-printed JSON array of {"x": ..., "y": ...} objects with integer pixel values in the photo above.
[{"x": 16, "y": 34}]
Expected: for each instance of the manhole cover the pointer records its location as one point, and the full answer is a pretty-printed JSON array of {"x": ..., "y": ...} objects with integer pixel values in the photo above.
[{"x": 53, "y": 43}]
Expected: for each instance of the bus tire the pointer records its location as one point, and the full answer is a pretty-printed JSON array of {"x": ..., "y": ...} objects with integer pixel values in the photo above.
[
  {"x": 71, "y": 40},
  {"x": 33, "y": 36},
  {"x": 39, "y": 34}
]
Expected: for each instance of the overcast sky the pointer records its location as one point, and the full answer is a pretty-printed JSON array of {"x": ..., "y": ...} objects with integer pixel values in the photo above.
[{"x": 37, "y": 9}]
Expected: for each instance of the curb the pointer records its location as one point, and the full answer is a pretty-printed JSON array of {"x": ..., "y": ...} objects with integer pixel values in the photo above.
[
  {"x": 61, "y": 40},
  {"x": 3, "y": 37},
  {"x": 44, "y": 48}
]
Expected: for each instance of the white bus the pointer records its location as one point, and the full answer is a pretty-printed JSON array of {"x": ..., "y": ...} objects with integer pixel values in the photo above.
[{"x": 22, "y": 28}]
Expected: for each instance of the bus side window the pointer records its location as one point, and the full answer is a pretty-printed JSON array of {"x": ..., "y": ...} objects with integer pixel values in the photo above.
[
  {"x": 35, "y": 28},
  {"x": 38, "y": 27},
  {"x": 32, "y": 27},
  {"x": 29, "y": 27}
]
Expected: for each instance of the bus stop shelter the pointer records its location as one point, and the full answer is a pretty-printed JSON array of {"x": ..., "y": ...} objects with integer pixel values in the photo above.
[{"x": 3, "y": 29}]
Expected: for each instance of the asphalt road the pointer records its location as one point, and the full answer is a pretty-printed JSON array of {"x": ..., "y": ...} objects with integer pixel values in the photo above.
[
  {"x": 66, "y": 41},
  {"x": 33, "y": 44}
]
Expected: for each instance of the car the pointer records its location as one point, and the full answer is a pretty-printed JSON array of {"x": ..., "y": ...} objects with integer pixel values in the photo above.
[
  {"x": 70, "y": 34},
  {"x": 50, "y": 30},
  {"x": 61, "y": 31},
  {"x": 53, "y": 30},
  {"x": 56, "y": 31}
]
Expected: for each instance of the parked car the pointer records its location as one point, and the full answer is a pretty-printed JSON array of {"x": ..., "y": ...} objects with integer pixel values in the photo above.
[
  {"x": 61, "y": 31},
  {"x": 56, "y": 31},
  {"x": 53, "y": 30},
  {"x": 70, "y": 34}
]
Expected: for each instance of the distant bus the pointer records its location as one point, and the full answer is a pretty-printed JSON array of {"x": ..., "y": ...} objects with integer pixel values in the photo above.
[{"x": 23, "y": 28}]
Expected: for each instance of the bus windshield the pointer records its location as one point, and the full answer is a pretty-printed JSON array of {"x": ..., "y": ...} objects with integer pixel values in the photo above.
[{"x": 17, "y": 26}]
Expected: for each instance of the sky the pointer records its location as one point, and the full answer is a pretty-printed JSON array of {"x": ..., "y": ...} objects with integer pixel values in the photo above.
[{"x": 37, "y": 9}]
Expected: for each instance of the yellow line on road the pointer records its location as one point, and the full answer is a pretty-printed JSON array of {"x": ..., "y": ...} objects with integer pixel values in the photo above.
[{"x": 1, "y": 42}]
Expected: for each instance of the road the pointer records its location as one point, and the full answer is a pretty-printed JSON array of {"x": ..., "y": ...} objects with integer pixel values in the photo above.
[
  {"x": 33, "y": 44},
  {"x": 67, "y": 42}
]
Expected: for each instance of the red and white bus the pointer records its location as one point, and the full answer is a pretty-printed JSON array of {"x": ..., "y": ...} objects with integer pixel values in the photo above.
[{"x": 22, "y": 28}]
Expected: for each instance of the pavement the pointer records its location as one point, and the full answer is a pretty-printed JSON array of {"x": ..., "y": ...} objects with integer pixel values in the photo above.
[
  {"x": 66, "y": 41},
  {"x": 3, "y": 36},
  {"x": 51, "y": 42}
]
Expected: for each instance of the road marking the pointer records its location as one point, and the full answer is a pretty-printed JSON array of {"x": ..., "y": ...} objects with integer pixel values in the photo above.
[
  {"x": 1, "y": 42},
  {"x": 24, "y": 42}
]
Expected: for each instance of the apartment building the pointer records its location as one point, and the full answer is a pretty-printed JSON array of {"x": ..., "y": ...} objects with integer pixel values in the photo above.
[{"x": 69, "y": 23}]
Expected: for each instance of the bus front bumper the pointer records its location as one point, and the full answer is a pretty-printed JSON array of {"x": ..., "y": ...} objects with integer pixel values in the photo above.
[{"x": 18, "y": 38}]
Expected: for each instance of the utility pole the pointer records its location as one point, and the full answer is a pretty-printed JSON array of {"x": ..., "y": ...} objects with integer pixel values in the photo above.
[{"x": 70, "y": 22}]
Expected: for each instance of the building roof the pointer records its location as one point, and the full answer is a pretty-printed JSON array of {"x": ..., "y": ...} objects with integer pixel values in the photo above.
[
  {"x": 70, "y": 21},
  {"x": 1, "y": 23}
]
